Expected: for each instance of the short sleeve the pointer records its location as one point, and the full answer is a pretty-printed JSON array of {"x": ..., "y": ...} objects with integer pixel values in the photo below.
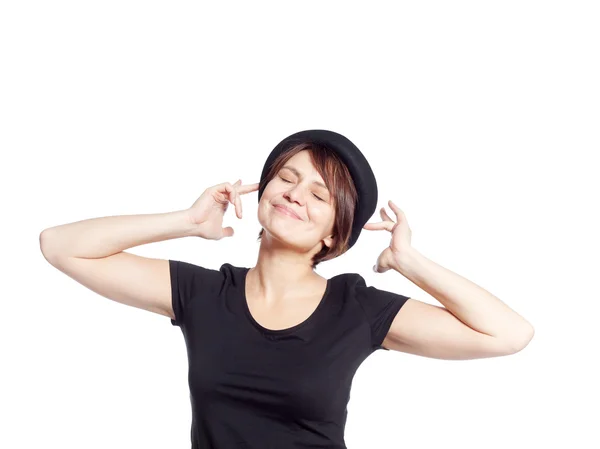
[
  {"x": 380, "y": 308},
  {"x": 190, "y": 283}
]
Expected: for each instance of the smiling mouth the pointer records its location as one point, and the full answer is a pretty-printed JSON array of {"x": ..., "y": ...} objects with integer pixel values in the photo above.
[{"x": 286, "y": 212}]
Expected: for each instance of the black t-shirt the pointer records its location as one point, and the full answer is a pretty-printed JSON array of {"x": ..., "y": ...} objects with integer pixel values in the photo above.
[{"x": 257, "y": 388}]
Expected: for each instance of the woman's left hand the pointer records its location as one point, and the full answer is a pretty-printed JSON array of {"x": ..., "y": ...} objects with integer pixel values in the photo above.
[{"x": 400, "y": 244}]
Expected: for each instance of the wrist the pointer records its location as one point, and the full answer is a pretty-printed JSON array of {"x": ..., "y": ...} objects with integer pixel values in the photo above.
[
  {"x": 405, "y": 259},
  {"x": 185, "y": 226}
]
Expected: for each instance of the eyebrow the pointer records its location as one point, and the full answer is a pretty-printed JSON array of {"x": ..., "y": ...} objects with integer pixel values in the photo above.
[{"x": 297, "y": 173}]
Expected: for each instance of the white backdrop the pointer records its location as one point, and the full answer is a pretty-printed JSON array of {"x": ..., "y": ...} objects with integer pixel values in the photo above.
[{"x": 480, "y": 120}]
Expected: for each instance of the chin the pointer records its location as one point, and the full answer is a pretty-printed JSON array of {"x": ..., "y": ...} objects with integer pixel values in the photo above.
[{"x": 281, "y": 231}]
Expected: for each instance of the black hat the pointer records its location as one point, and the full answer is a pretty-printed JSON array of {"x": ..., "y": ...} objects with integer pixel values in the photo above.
[{"x": 359, "y": 168}]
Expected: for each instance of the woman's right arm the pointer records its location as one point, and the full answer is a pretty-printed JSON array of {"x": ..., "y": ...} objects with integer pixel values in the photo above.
[
  {"x": 102, "y": 237},
  {"x": 91, "y": 253}
]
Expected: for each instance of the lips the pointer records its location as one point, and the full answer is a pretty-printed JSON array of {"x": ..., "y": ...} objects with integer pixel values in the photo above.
[{"x": 287, "y": 210}]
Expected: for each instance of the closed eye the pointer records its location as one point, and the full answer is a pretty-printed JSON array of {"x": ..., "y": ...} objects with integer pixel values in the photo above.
[{"x": 285, "y": 180}]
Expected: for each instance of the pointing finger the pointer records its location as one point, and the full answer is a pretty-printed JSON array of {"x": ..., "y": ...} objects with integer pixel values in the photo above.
[
  {"x": 248, "y": 188},
  {"x": 382, "y": 225}
]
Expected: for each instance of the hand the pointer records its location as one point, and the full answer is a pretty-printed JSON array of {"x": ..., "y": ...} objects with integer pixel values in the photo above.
[
  {"x": 207, "y": 211},
  {"x": 400, "y": 244}
]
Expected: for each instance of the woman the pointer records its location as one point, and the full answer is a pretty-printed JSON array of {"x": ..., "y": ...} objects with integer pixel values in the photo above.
[{"x": 273, "y": 349}]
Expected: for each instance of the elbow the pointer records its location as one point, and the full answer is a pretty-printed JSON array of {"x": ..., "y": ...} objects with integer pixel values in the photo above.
[
  {"x": 46, "y": 246},
  {"x": 43, "y": 243},
  {"x": 521, "y": 342}
]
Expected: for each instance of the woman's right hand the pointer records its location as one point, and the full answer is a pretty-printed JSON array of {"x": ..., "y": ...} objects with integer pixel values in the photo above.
[{"x": 206, "y": 214}]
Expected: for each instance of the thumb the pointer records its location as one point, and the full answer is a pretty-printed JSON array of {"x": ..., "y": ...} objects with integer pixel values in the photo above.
[{"x": 228, "y": 231}]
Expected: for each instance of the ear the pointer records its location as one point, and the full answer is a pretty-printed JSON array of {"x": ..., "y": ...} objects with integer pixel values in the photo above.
[{"x": 328, "y": 241}]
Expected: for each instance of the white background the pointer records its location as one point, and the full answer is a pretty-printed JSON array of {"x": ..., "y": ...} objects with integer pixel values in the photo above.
[{"x": 480, "y": 120}]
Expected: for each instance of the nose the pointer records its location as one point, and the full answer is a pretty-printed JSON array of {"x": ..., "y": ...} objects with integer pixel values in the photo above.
[{"x": 295, "y": 194}]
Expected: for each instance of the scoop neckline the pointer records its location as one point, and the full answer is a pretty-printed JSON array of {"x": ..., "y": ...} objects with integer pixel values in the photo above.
[{"x": 264, "y": 330}]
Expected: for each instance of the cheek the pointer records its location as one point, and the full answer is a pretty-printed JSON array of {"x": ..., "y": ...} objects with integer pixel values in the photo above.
[
  {"x": 263, "y": 206},
  {"x": 322, "y": 214},
  {"x": 270, "y": 191}
]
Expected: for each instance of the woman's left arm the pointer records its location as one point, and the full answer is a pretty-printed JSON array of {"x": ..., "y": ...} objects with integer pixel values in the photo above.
[
  {"x": 475, "y": 307},
  {"x": 470, "y": 303}
]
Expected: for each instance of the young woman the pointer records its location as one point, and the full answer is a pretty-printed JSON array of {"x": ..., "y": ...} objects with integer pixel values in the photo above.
[{"x": 273, "y": 348}]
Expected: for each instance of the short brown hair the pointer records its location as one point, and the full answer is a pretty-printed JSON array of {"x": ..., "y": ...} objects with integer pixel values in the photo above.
[{"x": 343, "y": 192}]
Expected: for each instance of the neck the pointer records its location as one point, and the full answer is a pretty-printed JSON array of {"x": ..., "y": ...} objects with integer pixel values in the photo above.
[{"x": 281, "y": 273}]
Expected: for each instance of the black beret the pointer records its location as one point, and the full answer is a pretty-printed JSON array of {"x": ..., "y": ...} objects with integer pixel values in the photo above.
[{"x": 359, "y": 168}]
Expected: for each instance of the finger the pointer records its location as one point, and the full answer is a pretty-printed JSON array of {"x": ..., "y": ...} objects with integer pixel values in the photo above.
[
  {"x": 232, "y": 196},
  {"x": 224, "y": 186},
  {"x": 236, "y": 199},
  {"x": 382, "y": 225},
  {"x": 384, "y": 215},
  {"x": 225, "y": 190},
  {"x": 397, "y": 210},
  {"x": 382, "y": 270},
  {"x": 248, "y": 188}
]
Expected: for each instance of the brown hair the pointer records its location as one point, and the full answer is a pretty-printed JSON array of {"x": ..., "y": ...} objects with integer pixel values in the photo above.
[{"x": 343, "y": 192}]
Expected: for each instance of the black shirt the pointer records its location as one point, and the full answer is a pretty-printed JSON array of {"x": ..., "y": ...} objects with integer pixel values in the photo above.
[{"x": 257, "y": 388}]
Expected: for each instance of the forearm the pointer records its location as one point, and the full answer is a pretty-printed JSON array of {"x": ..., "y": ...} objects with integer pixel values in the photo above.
[
  {"x": 473, "y": 305},
  {"x": 101, "y": 237}
]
